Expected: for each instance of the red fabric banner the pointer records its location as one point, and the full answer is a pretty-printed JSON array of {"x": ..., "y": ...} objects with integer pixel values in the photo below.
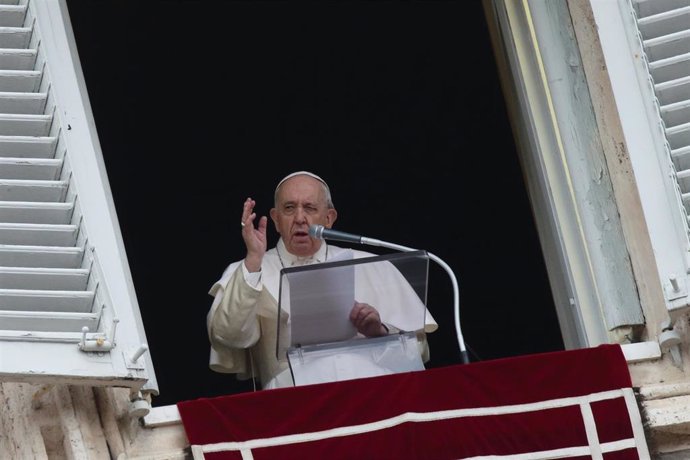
[{"x": 572, "y": 404}]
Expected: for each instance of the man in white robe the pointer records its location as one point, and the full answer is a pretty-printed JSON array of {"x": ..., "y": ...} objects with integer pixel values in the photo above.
[{"x": 242, "y": 321}]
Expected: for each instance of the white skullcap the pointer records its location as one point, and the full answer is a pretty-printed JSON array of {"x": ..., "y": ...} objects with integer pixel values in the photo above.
[{"x": 301, "y": 173}]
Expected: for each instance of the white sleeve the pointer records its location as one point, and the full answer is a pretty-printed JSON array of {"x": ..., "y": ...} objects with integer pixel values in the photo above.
[{"x": 252, "y": 278}]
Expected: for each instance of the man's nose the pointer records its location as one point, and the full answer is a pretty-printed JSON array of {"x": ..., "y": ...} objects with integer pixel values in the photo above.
[{"x": 300, "y": 215}]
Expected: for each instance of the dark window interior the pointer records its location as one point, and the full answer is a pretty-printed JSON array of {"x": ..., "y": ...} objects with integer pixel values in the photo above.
[{"x": 199, "y": 104}]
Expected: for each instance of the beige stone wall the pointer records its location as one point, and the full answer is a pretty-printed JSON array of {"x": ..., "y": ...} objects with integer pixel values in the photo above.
[{"x": 79, "y": 422}]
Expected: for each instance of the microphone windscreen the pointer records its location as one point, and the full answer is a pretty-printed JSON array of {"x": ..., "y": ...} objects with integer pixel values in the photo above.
[{"x": 315, "y": 231}]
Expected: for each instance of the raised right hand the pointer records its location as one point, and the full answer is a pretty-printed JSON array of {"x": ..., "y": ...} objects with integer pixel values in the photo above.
[{"x": 254, "y": 237}]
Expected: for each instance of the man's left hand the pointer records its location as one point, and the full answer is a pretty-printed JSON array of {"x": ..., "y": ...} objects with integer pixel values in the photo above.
[{"x": 367, "y": 320}]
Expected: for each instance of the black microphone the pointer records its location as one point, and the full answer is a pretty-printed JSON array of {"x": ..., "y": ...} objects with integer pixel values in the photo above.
[{"x": 322, "y": 233}]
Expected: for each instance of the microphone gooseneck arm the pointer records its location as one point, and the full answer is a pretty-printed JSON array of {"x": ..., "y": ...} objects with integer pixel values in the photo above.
[
  {"x": 456, "y": 292},
  {"x": 318, "y": 231}
]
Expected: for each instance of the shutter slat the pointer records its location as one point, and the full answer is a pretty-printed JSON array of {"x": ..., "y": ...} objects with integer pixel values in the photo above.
[
  {"x": 30, "y": 168},
  {"x": 12, "y": 15},
  {"x": 15, "y": 37},
  {"x": 52, "y": 279},
  {"x": 48, "y": 321},
  {"x": 28, "y": 146},
  {"x": 35, "y": 212},
  {"x": 22, "y": 102},
  {"x": 665, "y": 23},
  {"x": 20, "y": 80},
  {"x": 25, "y": 125},
  {"x": 681, "y": 152},
  {"x": 676, "y": 114},
  {"x": 32, "y": 190},
  {"x": 38, "y": 234},
  {"x": 40, "y": 256},
  {"x": 679, "y": 136},
  {"x": 668, "y": 45},
  {"x": 671, "y": 68},
  {"x": 673, "y": 91},
  {"x": 646, "y": 8},
  {"x": 17, "y": 59},
  {"x": 33, "y": 300}
]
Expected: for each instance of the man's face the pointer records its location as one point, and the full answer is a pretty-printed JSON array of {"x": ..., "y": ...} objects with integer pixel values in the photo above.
[{"x": 301, "y": 202}]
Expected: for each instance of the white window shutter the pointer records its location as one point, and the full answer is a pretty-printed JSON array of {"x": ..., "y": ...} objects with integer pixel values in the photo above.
[
  {"x": 68, "y": 311},
  {"x": 646, "y": 46},
  {"x": 663, "y": 31},
  {"x": 664, "y": 28}
]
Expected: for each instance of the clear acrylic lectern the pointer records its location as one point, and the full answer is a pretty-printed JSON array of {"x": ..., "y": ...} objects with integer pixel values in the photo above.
[{"x": 322, "y": 345}]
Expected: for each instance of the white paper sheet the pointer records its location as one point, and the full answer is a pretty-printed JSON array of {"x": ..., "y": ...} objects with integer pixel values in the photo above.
[{"x": 321, "y": 302}]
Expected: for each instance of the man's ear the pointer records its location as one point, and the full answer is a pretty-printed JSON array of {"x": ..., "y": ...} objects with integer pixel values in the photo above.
[
  {"x": 331, "y": 216},
  {"x": 274, "y": 217}
]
